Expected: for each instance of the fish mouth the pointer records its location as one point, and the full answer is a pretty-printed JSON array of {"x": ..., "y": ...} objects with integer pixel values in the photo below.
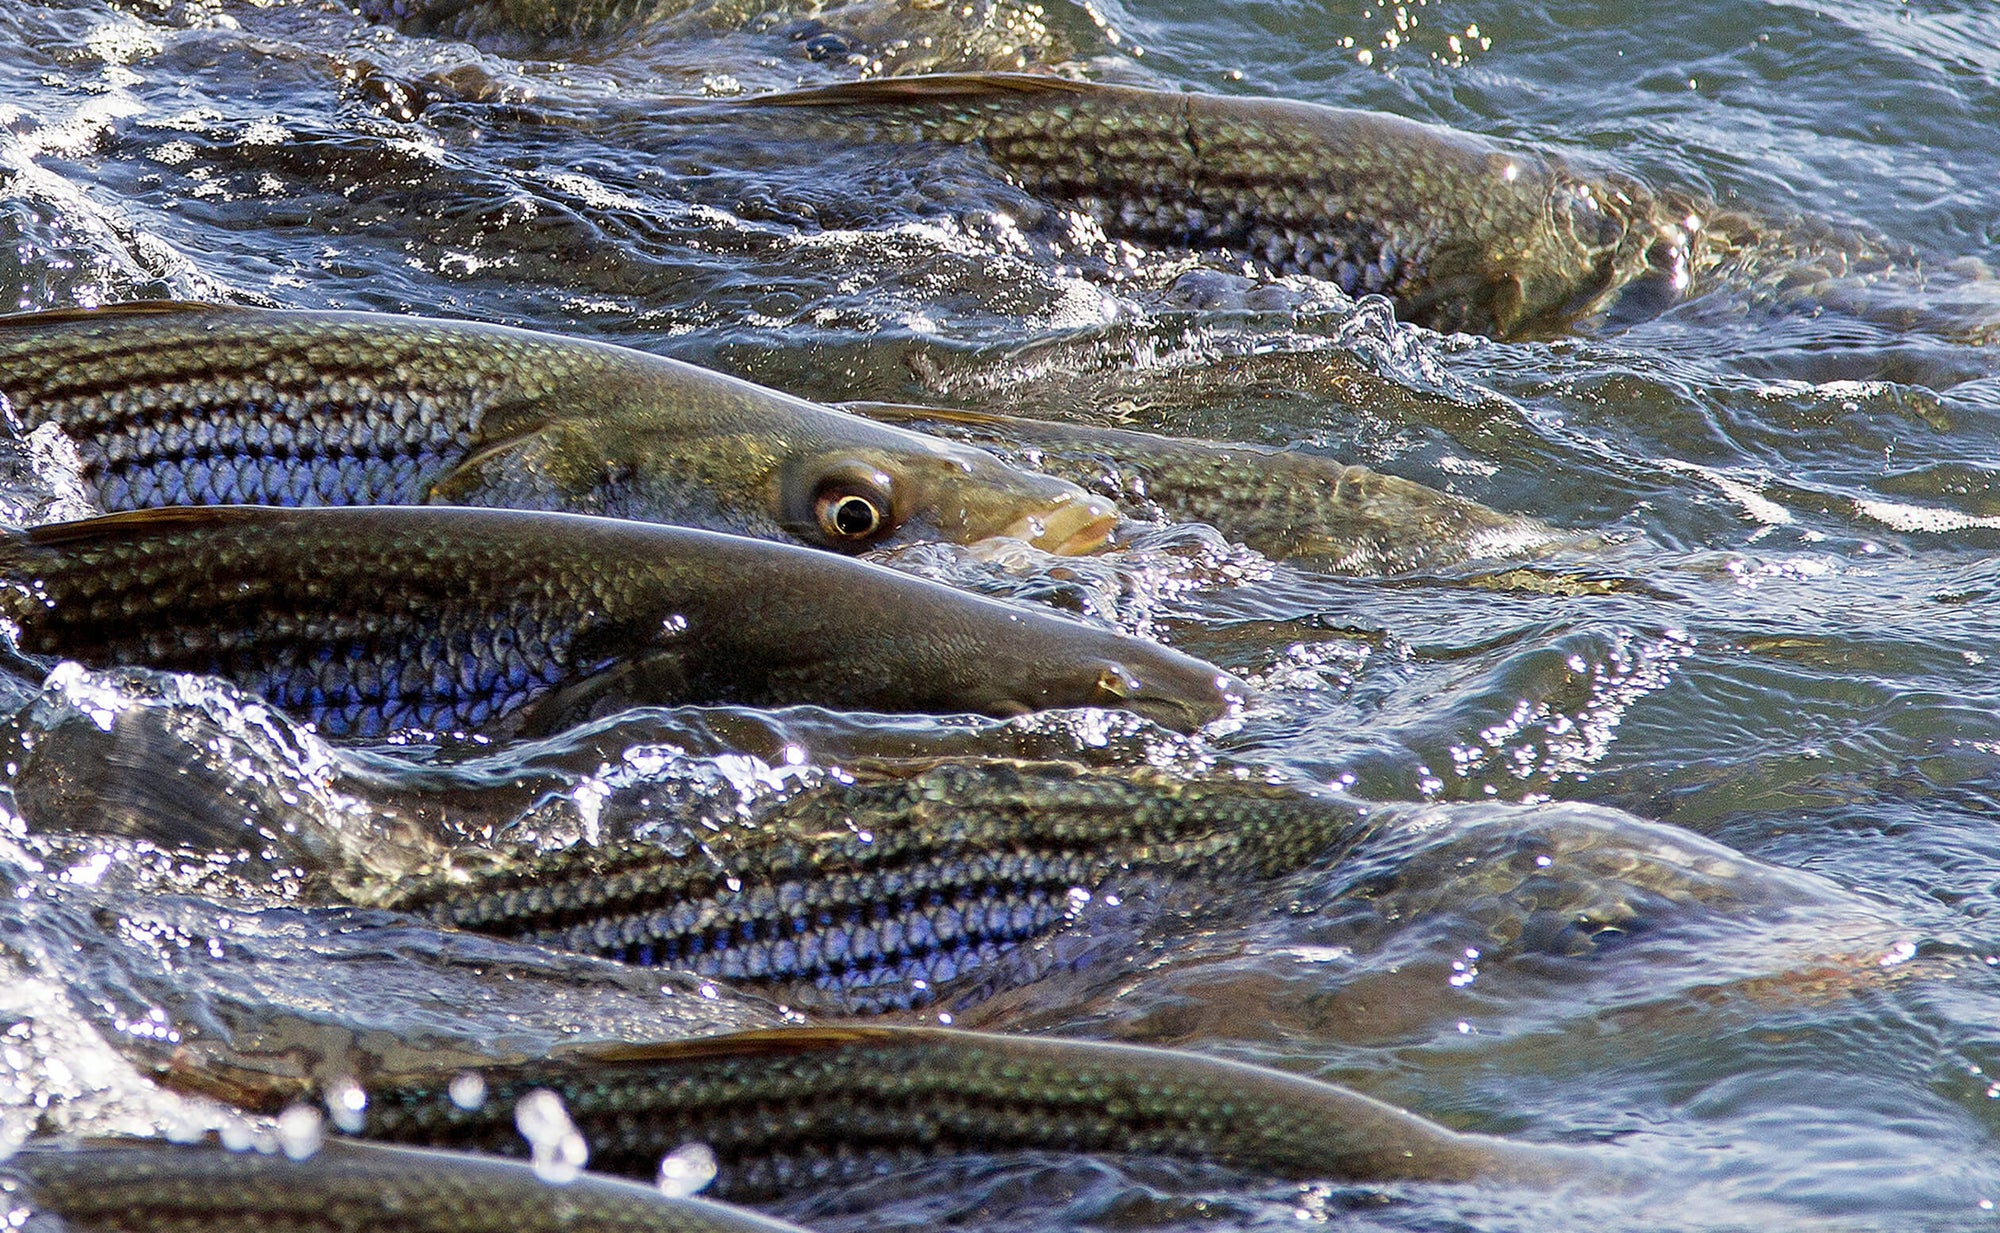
[
  {"x": 1073, "y": 525},
  {"x": 1184, "y": 714}
]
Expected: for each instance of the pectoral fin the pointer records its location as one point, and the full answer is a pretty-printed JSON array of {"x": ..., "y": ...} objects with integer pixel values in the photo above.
[
  {"x": 653, "y": 679},
  {"x": 525, "y": 460}
]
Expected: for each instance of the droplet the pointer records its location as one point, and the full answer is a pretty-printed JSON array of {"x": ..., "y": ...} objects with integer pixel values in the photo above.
[
  {"x": 555, "y": 1144},
  {"x": 347, "y": 1104},
  {"x": 686, "y": 1170},
  {"x": 468, "y": 1089}
]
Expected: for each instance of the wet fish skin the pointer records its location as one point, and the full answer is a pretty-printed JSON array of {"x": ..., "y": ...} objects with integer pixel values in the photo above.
[
  {"x": 530, "y": 20},
  {"x": 866, "y": 896},
  {"x": 373, "y": 619},
  {"x": 1460, "y": 233},
  {"x": 153, "y": 1186},
  {"x": 877, "y": 37},
  {"x": 790, "y": 1108},
  {"x": 187, "y": 404},
  {"x": 1285, "y": 504},
  {"x": 1568, "y": 879}
]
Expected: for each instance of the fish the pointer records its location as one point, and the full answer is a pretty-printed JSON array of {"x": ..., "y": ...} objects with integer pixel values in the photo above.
[
  {"x": 153, "y": 1186},
  {"x": 1285, "y": 504},
  {"x": 865, "y": 895},
  {"x": 790, "y": 1109},
  {"x": 369, "y": 620},
  {"x": 1574, "y": 880},
  {"x": 1459, "y": 232},
  {"x": 188, "y": 404}
]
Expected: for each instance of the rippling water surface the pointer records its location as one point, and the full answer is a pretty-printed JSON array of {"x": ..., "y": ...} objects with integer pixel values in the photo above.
[{"x": 1706, "y": 864}]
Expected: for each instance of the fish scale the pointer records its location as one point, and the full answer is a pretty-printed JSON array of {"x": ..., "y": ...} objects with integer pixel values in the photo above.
[
  {"x": 871, "y": 896},
  {"x": 154, "y": 1186},
  {"x": 262, "y": 458}
]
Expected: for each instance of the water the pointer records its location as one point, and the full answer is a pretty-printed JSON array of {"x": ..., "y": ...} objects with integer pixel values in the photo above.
[{"x": 1756, "y": 743}]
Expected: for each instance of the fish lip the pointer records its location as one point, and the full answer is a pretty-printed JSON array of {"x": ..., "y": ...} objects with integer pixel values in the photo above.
[{"x": 1073, "y": 525}]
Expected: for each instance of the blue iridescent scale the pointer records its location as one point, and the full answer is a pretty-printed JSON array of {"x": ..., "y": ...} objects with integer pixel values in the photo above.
[
  {"x": 451, "y": 680},
  {"x": 250, "y": 472}
]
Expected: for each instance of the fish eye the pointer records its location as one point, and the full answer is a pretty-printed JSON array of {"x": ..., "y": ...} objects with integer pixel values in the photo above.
[
  {"x": 846, "y": 504},
  {"x": 848, "y": 515},
  {"x": 852, "y": 507},
  {"x": 1117, "y": 682}
]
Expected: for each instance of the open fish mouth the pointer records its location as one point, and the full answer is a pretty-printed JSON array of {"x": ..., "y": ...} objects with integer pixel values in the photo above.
[{"x": 1075, "y": 524}]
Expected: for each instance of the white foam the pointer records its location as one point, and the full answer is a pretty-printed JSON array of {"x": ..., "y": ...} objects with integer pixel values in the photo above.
[{"x": 1899, "y": 517}]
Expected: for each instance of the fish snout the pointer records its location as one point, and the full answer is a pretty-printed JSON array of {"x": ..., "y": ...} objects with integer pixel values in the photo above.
[
  {"x": 1173, "y": 690},
  {"x": 1072, "y": 524}
]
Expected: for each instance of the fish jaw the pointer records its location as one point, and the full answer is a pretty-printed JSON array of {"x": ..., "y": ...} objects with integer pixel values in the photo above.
[
  {"x": 964, "y": 495},
  {"x": 1049, "y": 662},
  {"x": 1074, "y": 524},
  {"x": 915, "y": 488}
]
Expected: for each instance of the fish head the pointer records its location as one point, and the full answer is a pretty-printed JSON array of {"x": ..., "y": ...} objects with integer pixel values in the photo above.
[
  {"x": 1173, "y": 690},
  {"x": 1083, "y": 665},
  {"x": 855, "y": 499},
  {"x": 1604, "y": 242}
]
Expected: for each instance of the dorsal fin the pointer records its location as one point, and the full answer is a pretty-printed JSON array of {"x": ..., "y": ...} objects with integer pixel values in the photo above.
[
  {"x": 758, "y": 1042},
  {"x": 914, "y": 413},
  {"x": 130, "y": 308},
  {"x": 166, "y": 519},
  {"x": 936, "y": 87}
]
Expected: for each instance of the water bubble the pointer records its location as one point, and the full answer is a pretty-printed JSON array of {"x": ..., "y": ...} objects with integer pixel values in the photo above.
[
  {"x": 555, "y": 1143},
  {"x": 301, "y": 1130},
  {"x": 686, "y": 1170}
]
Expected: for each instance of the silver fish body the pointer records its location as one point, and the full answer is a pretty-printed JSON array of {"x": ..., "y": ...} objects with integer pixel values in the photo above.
[
  {"x": 1459, "y": 232},
  {"x": 153, "y": 1186},
  {"x": 374, "y": 619},
  {"x": 178, "y": 404}
]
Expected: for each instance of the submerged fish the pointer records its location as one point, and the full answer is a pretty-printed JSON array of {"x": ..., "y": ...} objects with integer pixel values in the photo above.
[
  {"x": 1459, "y": 232},
  {"x": 1287, "y": 505},
  {"x": 152, "y": 1186},
  {"x": 366, "y": 621},
  {"x": 866, "y": 896},
  {"x": 184, "y": 404},
  {"x": 790, "y": 1108}
]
